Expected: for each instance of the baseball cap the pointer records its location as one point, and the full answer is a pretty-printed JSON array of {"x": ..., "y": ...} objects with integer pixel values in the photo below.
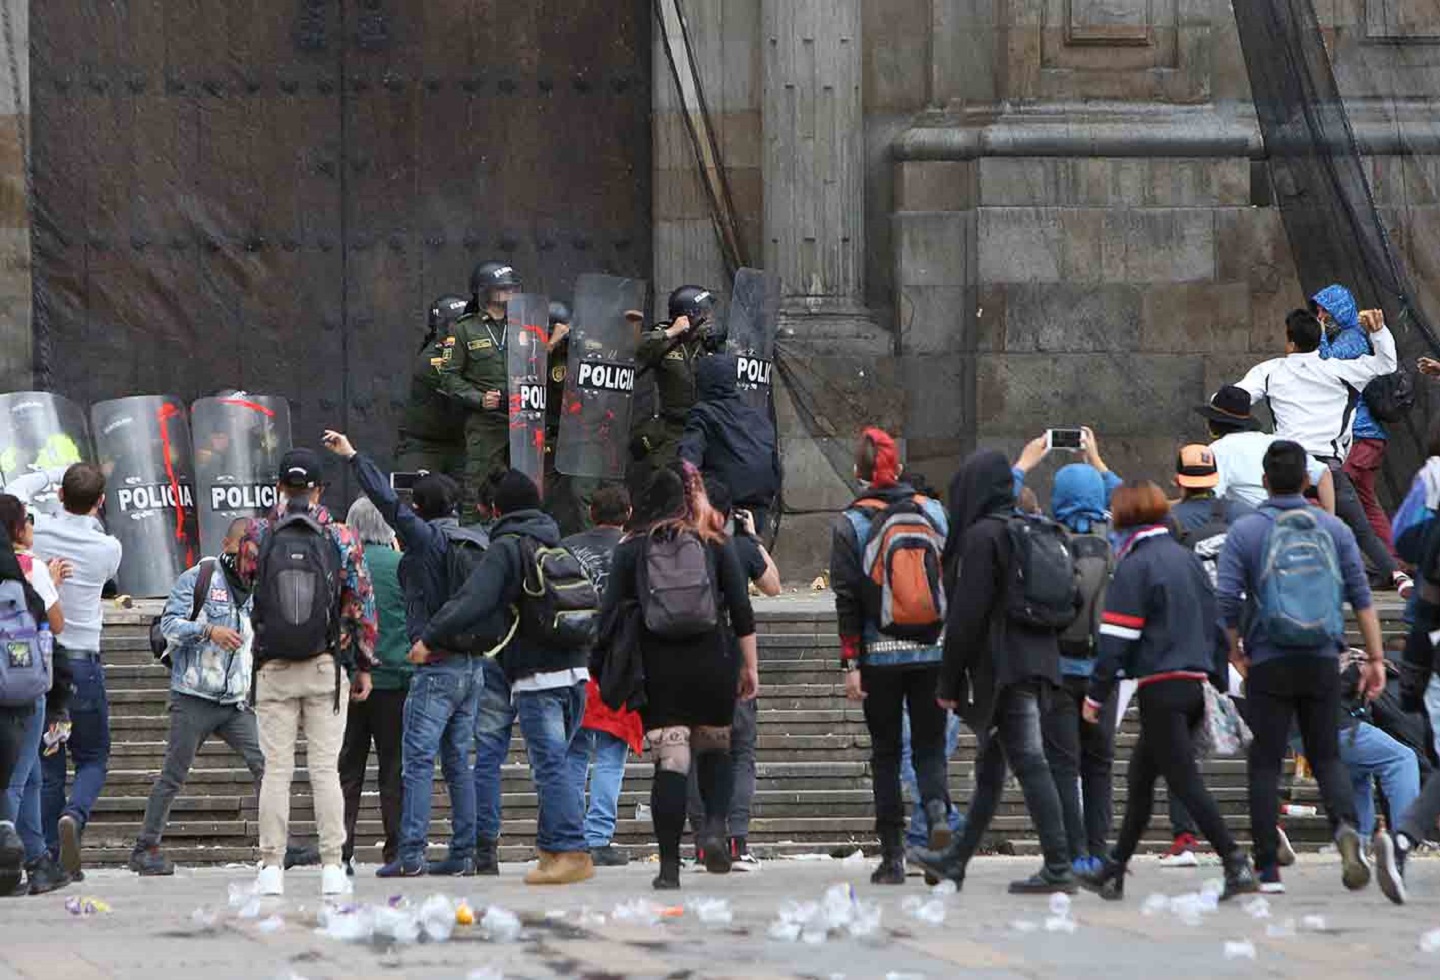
[
  {"x": 1195, "y": 468},
  {"x": 300, "y": 468}
]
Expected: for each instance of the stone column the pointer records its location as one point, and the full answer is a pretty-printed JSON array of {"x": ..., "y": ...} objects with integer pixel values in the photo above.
[
  {"x": 15, "y": 289},
  {"x": 813, "y": 161}
]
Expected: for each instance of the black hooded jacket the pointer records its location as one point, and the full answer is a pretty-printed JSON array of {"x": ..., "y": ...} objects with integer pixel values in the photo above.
[
  {"x": 729, "y": 438},
  {"x": 985, "y": 652},
  {"x": 494, "y": 589}
]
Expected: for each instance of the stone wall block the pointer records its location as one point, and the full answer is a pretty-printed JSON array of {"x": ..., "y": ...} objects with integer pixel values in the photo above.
[
  {"x": 1072, "y": 318},
  {"x": 1020, "y": 245},
  {"x": 936, "y": 319},
  {"x": 1027, "y": 181},
  {"x": 1160, "y": 245},
  {"x": 1199, "y": 318},
  {"x": 935, "y": 185},
  {"x": 932, "y": 248}
]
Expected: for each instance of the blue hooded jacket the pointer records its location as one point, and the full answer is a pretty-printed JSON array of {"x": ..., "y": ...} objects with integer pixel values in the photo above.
[
  {"x": 1351, "y": 342},
  {"x": 1081, "y": 496}
]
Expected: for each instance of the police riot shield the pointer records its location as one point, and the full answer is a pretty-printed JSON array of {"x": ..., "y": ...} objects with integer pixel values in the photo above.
[
  {"x": 143, "y": 444},
  {"x": 527, "y": 361},
  {"x": 238, "y": 444},
  {"x": 40, "y": 435},
  {"x": 594, "y": 436},
  {"x": 750, "y": 326}
]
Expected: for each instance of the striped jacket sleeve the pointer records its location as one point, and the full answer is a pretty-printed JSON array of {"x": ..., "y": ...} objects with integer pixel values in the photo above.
[{"x": 1121, "y": 625}]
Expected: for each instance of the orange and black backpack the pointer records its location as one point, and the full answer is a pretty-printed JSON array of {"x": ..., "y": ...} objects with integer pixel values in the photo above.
[{"x": 901, "y": 543}]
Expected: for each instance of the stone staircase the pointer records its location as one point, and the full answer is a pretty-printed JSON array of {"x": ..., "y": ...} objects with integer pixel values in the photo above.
[{"x": 813, "y": 793}]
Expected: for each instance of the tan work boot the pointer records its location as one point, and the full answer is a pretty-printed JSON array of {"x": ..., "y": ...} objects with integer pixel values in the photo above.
[{"x": 564, "y": 869}]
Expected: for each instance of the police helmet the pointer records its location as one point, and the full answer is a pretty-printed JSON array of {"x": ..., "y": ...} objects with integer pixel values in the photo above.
[
  {"x": 559, "y": 313},
  {"x": 696, "y": 303},
  {"x": 493, "y": 275},
  {"x": 446, "y": 310}
]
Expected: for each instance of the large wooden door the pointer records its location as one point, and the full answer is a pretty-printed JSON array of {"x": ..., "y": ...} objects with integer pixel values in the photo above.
[{"x": 267, "y": 194}]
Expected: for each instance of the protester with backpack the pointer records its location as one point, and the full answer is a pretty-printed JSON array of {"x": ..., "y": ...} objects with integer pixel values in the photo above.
[
  {"x": 443, "y": 695},
  {"x": 885, "y": 568},
  {"x": 1297, "y": 565},
  {"x": 1160, "y": 627},
  {"x": 208, "y": 647},
  {"x": 1014, "y": 592},
  {"x": 22, "y": 610},
  {"x": 551, "y": 609},
  {"x": 677, "y": 599},
  {"x": 314, "y": 616},
  {"x": 1081, "y": 756},
  {"x": 22, "y": 798},
  {"x": 601, "y": 747}
]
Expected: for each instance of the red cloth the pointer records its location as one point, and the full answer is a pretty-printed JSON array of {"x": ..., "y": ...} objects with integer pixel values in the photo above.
[
  {"x": 1362, "y": 466},
  {"x": 623, "y": 724}
]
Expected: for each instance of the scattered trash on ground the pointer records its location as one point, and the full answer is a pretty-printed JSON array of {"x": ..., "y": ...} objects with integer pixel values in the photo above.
[
  {"x": 1280, "y": 930},
  {"x": 500, "y": 925},
  {"x": 1024, "y": 925},
  {"x": 711, "y": 911},
  {"x": 86, "y": 906},
  {"x": 1313, "y": 923},
  {"x": 204, "y": 918},
  {"x": 930, "y": 911},
  {"x": 1060, "y": 920},
  {"x": 485, "y": 973},
  {"x": 637, "y": 912},
  {"x": 1430, "y": 941},
  {"x": 1257, "y": 908},
  {"x": 838, "y": 912},
  {"x": 464, "y": 914},
  {"x": 945, "y": 889},
  {"x": 271, "y": 925},
  {"x": 855, "y": 860},
  {"x": 1244, "y": 949}
]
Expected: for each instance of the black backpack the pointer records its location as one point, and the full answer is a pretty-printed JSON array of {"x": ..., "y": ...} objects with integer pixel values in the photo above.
[
  {"x": 1208, "y": 540},
  {"x": 1391, "y": 396},
  {"x": 1093, "y": 566},
  {"x": 297, "y": 591},
  {"x": 559, "y": 607},
  {"x": 677, "y": 595},
  {"x": 159, "y": 646},
  {"x": 1041, "y": 593},
  {"x": 467, "y": 547}
]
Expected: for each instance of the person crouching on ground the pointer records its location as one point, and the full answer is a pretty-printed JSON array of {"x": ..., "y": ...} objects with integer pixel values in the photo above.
[{"x": 1160, "y": 627}]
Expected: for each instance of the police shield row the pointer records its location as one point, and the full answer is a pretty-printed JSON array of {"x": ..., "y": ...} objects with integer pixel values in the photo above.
[
  {"x": 510, "y": 379},
  {"x": 177, "y": 476}
]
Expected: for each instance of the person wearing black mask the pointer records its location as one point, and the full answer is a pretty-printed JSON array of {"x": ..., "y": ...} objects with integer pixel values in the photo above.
[
  {"x": 206, "y": 625},
  {"x": 995, "y": 674}
]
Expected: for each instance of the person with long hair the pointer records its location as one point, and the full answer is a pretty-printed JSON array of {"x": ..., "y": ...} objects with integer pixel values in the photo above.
[
  {"x": 1160, "y": 627},
  {"x": 691, "y": 683}
]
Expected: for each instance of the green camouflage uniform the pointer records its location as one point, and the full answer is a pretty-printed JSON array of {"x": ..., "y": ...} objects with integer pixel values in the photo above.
[
  {"x": 432, "y": 431},
  {"x": 672, "y": 363},
  {"x": 475, "y": 365}
]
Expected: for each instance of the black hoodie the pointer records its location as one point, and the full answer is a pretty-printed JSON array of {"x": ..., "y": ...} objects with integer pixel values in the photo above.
[
  {"x": 985, "y": 652},
  {"x": 494, "y": 587},
  {"x": 728, "y": 437}
]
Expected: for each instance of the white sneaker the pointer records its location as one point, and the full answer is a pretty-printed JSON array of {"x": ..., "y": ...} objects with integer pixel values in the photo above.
[
  {"x": 1284, "y": 853},
  {"x": 334, "y": 881},
  {"x": 271, "y": 880}
]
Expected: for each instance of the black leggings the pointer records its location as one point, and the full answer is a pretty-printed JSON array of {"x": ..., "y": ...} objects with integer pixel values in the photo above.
[{"x": 1169, "y": 710}]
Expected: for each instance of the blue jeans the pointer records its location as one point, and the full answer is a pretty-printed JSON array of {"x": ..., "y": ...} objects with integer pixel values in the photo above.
[
  {"x": 494, "y": 718},
  {"x": 549, "y": 720},
  {"x": 22, "y": 796},
  {"x": 1369, "y": 753},
  {"x": 918, "y": 834},
  {"x": 88, "y": 748},
  {"x": 439, "y": 719},
  {"x": 610, "y": 754}
]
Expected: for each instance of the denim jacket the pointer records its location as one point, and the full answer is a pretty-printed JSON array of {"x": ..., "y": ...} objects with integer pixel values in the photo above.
[{"x": 199, "y": 667}]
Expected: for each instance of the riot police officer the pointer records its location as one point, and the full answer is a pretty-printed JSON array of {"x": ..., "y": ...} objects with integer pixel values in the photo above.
[
  {"x": 432, "y": 431},
  {"x": 475, "y": 374},
  {"x": 671, "y": 350},
  {"x": 562, "y": 493}
]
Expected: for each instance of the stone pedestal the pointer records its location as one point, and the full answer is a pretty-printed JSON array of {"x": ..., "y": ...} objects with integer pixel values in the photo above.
[{"x": 15, "y": 285}]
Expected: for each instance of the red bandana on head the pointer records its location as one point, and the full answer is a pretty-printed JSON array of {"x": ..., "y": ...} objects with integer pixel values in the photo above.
[{"x": 887, "y": 458}]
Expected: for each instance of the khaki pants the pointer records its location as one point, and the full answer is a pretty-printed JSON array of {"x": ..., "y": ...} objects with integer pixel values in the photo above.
[{"x": 289, "y": 693}]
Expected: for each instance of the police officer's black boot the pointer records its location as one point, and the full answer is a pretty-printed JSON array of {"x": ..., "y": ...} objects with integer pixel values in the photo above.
[
  {"x": 892, "y": 858},
  {"x": 487, "y": 857}
]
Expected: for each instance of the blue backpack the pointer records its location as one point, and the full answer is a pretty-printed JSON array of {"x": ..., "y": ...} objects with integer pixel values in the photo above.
[
  {"x": 26, "y": 649},
  {"x": 1298, "y": 602}
]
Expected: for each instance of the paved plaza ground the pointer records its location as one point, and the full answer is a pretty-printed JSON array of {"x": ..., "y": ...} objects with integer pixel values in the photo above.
[{"x": 153, "y": 929}]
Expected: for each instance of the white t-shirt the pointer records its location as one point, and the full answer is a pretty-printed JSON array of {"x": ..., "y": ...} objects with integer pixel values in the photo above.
[
  {"x": 1240, "y": 463},
  {"x": 41, "y": 581}
]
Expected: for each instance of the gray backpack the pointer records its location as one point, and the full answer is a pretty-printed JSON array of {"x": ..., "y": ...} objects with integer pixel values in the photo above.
[
  {"x": 26, "y": 651},
  {"x": 677, "y": 595},
  {"x": 1093, "y": 566}
]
